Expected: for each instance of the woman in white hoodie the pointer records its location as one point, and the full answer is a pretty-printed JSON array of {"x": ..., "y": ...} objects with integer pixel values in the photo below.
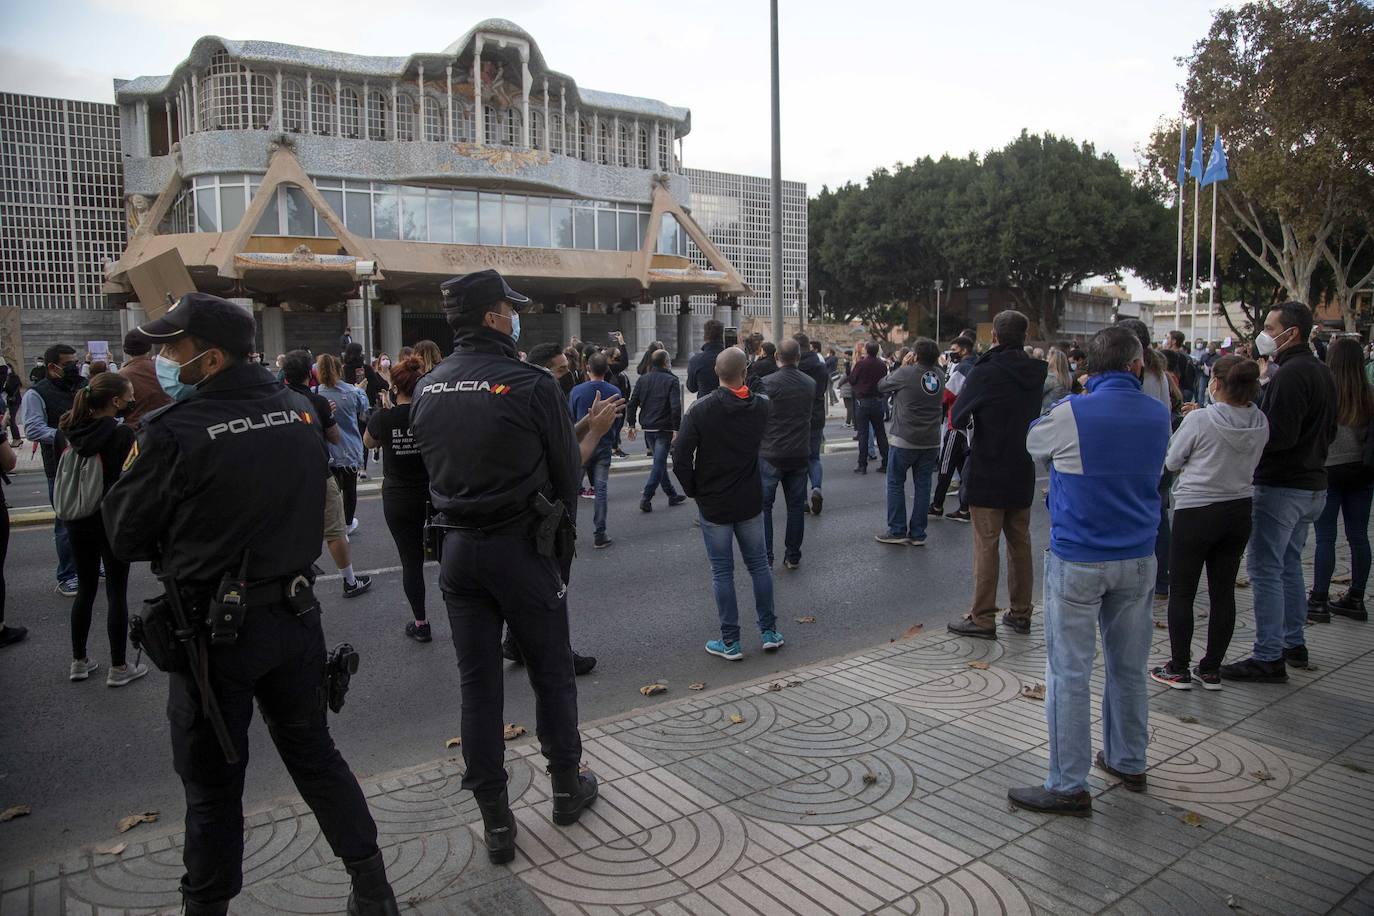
[{"x": 1214, "y": 453}]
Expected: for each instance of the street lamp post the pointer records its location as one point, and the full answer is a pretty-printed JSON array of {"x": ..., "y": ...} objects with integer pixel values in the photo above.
[
  {"x": 364, "y": 271},
  {"x": 822, "y": 292},
  {"x": 775, "y": 201},
  {"x": 939, "y": 285}
]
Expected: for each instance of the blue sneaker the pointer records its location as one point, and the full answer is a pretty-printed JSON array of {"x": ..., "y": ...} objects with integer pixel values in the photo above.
[
  {"x": 772, "y": 639},
  {"x": 730, "y": 651}
]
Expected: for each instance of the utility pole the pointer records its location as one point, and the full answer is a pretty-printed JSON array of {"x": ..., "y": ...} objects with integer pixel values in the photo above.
[{"x": 775, "y": 204}]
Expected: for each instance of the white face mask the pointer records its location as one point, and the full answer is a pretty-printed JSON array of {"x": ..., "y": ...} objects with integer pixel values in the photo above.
[{"x": 1265, "y": 344}]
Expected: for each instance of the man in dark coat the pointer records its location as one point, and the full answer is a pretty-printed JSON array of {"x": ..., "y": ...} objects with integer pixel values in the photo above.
[{"x": 1002, "y": 397}]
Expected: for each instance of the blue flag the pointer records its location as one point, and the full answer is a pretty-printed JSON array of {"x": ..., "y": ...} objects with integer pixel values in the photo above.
[
  {"x": 1196, "y": 168},
  {"x": 1182, "y": 151},
  {"x": 1216, "y": 166}
]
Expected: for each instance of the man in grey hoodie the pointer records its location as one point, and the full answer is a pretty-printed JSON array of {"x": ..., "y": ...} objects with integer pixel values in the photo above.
[{"x": 918, "y": 391}]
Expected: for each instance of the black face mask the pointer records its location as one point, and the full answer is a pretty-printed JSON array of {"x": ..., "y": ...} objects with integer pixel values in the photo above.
[
  {"x": 71, "y": 374},
  {"x": 567, "y": 383}
]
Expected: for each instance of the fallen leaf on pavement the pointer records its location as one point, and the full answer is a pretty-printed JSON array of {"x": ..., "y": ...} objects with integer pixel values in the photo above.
[
  {"x": 1242, "y": 583},
  {"x": 514, "y": 731},
  {"x": 453, "y": 742},
  {"x": 1231, "y": 902},
  {"x": 776, "y": 685},
  {"x": 1192, "y": 819},
  {"x": 114, "y": 850},
  {"x": 981, "y": 666},
  {"x": 650, "y": 689},
  {"x": 1033, "y": 691},
  {"x": 1190, "y": 720},
  {"x": 736, "y": 719},
  {"x": 1262, "y": 775},
  {"x": 913, "y": 630},
  {"x": 806, "y": 619},
  {"x": 1161, "y": 625},
  {"x": 869, "y": 778},
  {"x": 133, "y": 820},
  {"x": 10, "y": 814},
  {"x": 696, "y": 686},
  {"x": 794, "y": 683}
]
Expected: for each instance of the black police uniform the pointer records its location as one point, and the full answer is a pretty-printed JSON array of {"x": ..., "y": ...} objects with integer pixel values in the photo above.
[
  {"x": 240, "y": 465},
  {"x": 494, "y": 431}
]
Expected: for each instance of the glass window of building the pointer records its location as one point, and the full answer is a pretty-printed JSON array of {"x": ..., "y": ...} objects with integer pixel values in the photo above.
[
  {"x": 434, "y": 119},
  {"x": 516, "y": 220},
  {"x": 489, "y": 219},
  {"x": 491, "y": 126},
  {"x": 539, "y": 223},
  {"x": 663, "y": 151},
  {"x": 605, "y": 230},
  {"x": 641, "y": 147},
  {"x": 300, "y": 215},
  {"x": 222, "y": 101},
  {"x": 561, "y": 218},
  {"x": 439, "y": 206},
  {"x": 232, "y": 203},
  {"x": 269, "y": 222},
  {"x": 582, "y": 151},
  {"x": 556, "y": 133},
  {"x": 358, "y": 212},
  {"x": 513, "y": 134},
  {"x": 629, "y": 234},
  {"x": 413, "y": 215},
  {"x": 321, "y": 110},
  {"x": 603, "y": 143},
  {"x": 349, "y": 114},
  {"x": 334, "y": 197},
  {"x": 260, "y": 115},
  {"x": 406, "y": 114},
  {"x": 292, "y": 106},
  {"x": 462, "y": 122},
  {"x": 584, "y": 223},
  {"x": 537, "y": 129},
  {"x": 622, "y": 145},
  {"x": 378, "y": 110},
  {"x": 465, "y": 217},
  {"x": 386, "y": 217}
]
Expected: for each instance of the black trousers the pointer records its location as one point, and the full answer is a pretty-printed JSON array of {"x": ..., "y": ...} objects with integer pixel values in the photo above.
[
  {"x": 868, "y": 418},
  {"x": 1213, "y": 536},
  {"x": 348, "y": 485},
  {"x": 90, "y": 546},
  {"x": 405, "y": 512},
  {"x": 487, "y": 580},
  {"x": 4, "y": 552},
  {"x": 954, "y": 452},
  {"x": 279, "y": 661}
]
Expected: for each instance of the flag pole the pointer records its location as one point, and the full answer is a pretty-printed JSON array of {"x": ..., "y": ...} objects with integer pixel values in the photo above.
[
  {"x": 1178, "y": 277},
  {"x": 1192, "y": 297},
  {"x": 1212, "y": 261}
]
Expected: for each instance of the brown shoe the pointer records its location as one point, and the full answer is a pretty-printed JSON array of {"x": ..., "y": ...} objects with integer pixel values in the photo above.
[
  {"x": 1016, "y": 624},
  {"x": 967, "y": 627},
  {"x": 1134, "y": 782}
]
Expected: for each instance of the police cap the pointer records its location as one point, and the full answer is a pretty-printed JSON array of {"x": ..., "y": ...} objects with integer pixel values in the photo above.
[
  {"x": 478, "y": 292},
  {"x": 209, "y": 318}
]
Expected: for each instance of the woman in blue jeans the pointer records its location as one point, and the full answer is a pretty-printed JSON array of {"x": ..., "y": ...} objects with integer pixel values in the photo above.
[{"x": 1350, "y": 488}]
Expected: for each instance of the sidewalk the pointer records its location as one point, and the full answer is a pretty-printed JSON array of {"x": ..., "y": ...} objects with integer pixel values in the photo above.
[{"x": 873, "y": 784}]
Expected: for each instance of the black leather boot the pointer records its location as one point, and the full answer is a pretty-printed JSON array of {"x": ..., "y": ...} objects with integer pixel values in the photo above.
[
  {"x": 371, "y": 894},
  {"x": 572, "y": 792},
  {"x": 498, "y": 828},
  {"x": 192, "y": 908}
]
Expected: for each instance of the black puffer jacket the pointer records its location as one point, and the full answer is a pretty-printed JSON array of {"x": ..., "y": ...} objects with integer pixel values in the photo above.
[
  {"x": 787, "y": 440},
  {"x": 1002, "y": 396}
]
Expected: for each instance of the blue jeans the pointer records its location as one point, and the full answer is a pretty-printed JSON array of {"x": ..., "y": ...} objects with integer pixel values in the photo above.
[
  {"x": 1281, "y": 516},
  {"x": 793, "y": 482},
  {"x": 868, "y": 415},
  {"x": 920, "y": 463},
  {"x": 600, "y": 469},
  {"x": 659, "y": 443},
  {"x": 1352, "y": 503},
  {"x": 1080, "y": 598},
  {"x": 66, "y": 562},
  {"x": 814, "y": 460},
  {"x": 720, "y": 551}
]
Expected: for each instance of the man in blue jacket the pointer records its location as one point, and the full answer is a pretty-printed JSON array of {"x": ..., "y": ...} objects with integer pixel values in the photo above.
[
  {"x": 1105, "y": 450},
  {"x": 701, "y": 368}
]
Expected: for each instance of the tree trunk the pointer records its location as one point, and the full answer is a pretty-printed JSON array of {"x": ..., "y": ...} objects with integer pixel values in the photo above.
[{"x": 1049, "y": 313}]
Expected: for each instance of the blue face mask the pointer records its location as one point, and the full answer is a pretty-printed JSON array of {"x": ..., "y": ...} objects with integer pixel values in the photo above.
[
  {"x": 514, "y": 325},
  {"x": 169, "y": 377}
]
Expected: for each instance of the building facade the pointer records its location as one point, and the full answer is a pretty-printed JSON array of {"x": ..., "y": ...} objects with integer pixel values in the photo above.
[
  {"x": 274, "y": 170},
  {"x": 61, "y": 201}
]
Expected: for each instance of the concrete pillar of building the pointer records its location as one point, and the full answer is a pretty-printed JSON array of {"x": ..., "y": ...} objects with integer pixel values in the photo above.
[
  {"x": 133, "y": 315},
  {"x": 736, "y": 315},
  {"x": 723, "y": 314},
  {"x": 245, "y": 304},
  {"x": 646, "y": 326},
  {"x": 572, "y": 322},
  {"x": 273, "y": 333},
  {"x": 686, "y": 341},
  {"x": 391, "y": 329},
  {"x": 357, "y": 320}
]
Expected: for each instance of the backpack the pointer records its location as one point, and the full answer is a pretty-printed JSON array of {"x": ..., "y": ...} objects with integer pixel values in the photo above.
[{"x": 79, "y": 485}]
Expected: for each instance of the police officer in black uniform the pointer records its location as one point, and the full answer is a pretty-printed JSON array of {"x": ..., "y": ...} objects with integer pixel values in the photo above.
[
  {"x": 228, "y": 481},
  {"x": 503, "y": 463}
]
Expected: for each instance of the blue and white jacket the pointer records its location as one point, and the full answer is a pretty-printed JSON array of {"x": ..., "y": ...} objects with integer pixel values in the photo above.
[{"x": 1105, "y": 451}]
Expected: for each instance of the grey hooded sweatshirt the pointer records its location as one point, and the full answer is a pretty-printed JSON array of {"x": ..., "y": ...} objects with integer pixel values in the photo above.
[{"x": 1214, "y": 453}]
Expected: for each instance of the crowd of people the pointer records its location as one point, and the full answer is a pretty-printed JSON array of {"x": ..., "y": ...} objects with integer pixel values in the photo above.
[{"x": 1163, "y": 462}]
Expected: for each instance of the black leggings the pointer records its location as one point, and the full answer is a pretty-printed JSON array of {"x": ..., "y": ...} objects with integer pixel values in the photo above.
[
  {"x": 347, "y": 479},
  {"x": 4, "y": 552},
  {"x": 89, "y": 547},
  {"x": 1214, "y": 535},
  {"x": 405, "y": 516}
]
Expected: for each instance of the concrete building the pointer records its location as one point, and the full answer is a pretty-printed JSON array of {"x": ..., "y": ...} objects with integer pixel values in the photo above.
[{"x": 273, "y": 170}]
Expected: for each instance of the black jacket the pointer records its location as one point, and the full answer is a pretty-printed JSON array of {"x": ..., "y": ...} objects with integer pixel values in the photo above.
[
  {"x": 716, "y": 456},
  {"x": 1002, "y": 397},
  {"x": 787, "y": 438},
  {"x": 103, "y": 436},
  {"x": 701, "y": 369},
  {"x": 1300, "y": 402},
  {"x": 762, "y": 367},
  {"x": 492, "y": 431},
  {"x": 656, "y": 402},
  {"x": 814, "y": 368},
  {"x": 237, "y": 466}
]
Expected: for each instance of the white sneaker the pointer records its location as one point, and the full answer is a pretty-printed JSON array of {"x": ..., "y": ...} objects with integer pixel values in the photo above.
[
  {"x": 83, "y": 668},
  {"x": 353, "y": 525},
  {"x": 118, "y": 677}
]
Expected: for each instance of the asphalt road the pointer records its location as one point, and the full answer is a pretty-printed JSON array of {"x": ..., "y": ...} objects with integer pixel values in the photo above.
[{"x": 83, "y": 755}]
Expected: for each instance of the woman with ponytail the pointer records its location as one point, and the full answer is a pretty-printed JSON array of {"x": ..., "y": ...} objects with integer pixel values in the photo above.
[
  {"x": 1214, "y": 453},
  {"x": 350, "y": 413},
  {"x": 91, "y": 429}
]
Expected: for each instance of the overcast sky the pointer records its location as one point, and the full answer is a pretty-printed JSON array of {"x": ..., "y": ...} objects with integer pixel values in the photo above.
[{"x": 865, "y": 83}]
